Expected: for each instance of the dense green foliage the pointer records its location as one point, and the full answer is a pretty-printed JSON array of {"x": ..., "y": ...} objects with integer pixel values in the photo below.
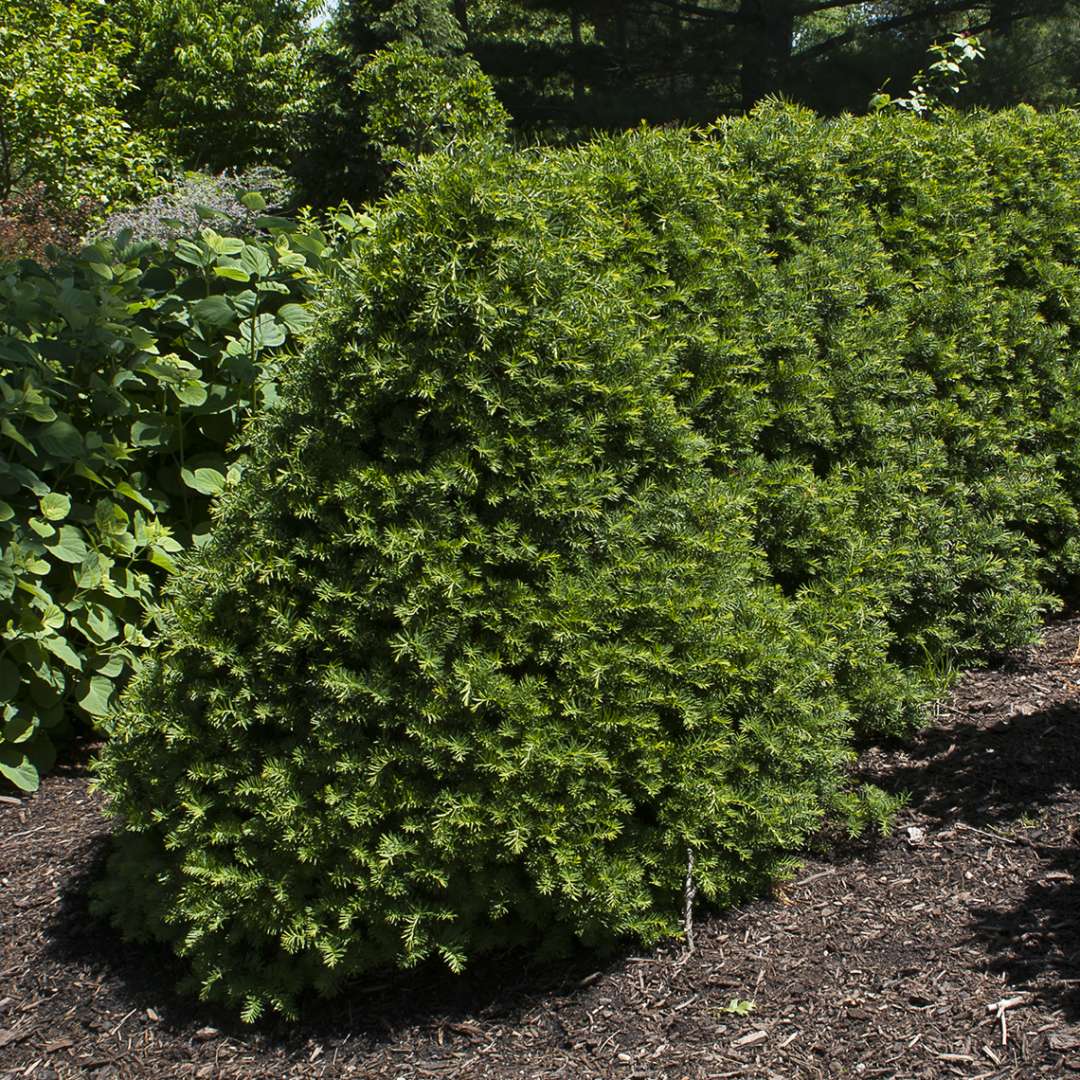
[
  {"x": 223, "y": 83},
  {"x": 1034, "y": 59},
  {"x": 97, "y": 99},
  {"x": 60, "y": 93},
  {"x": 623, "y": 486},
  {"x": 418, "y": 103},
  {"x": 397, "y": 85},
  {"x": 906, "y": 328},
  {"x": 126, "y": 373}
]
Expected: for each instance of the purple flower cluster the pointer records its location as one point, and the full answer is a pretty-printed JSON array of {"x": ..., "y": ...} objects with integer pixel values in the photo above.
[{"x": 198, "y": 200}]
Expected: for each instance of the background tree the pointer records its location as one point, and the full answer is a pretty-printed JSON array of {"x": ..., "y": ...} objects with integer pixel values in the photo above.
[
  {"x": 365, "y": 115},
  {"x": 418, "y": 103},
  {"x": 223, "y": 82},
  {"x": 565, "y": 68},
  {"x": 61, "y": 128},
  {"x": 1036, "y": 60}
]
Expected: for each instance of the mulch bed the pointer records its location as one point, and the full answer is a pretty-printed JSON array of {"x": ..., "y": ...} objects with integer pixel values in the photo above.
[{"x": 951, "y": 948}]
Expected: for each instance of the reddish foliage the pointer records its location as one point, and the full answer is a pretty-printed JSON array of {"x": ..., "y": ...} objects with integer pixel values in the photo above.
[{"x": 31, "y": 223}]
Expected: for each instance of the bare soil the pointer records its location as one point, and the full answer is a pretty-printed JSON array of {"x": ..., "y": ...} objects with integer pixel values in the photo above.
[{"x": 950, "y": 948}]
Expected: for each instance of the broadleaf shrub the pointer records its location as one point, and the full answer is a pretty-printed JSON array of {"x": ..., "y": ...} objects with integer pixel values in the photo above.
[
  {"x": 621, "y": 488},
  {"x": 418, "y": 103},
  {"x": 61, "y": 125},
  {"x": 126, "y": 374}
]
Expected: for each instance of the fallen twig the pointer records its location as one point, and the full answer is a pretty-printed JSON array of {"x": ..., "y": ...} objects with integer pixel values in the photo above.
[
  {"x": 813, "y": 877},
  {"x": 1001, "y": 1007},
  {"x": 123, "y": 1020},
  {"x": 690, "y": 893},
  {"x": 992, "y": 835}
]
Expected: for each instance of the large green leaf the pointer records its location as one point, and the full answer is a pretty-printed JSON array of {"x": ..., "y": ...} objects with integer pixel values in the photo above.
[
  {"x": 222, "y": 245},
  {"x": 193, "y": 254},
  {"x": 102, "y": 621},
  {"x": 53, "y": 617},
  {"x": 18, "y": 768},
  {"x": 19, "y": 727},
  {"x": 296, "y": 317},
  {"x": 96, "y": 694},
  {"x": 82, "y": 469},
  {"x": 93, "y": 571},
  {"x": 264, "y": 331},
  {"x": 8, "y": 428},
  {"x": 110, "y": 517},
  {"x": 55, "y": 506},
  {"x": 40, "y": 411},
  {"x": 204, "y": 481},
  {"x": 124, "y": 488},
  {"x": 232, "y": 273},
  {"x": 255, "y": 260},
  {"x": 29, "y": 479},
  {"x": 150, "y": 432},
  {"x": 61, "y": 439},
  {"x": 61, "y": 649},
  {"x": 190, "y": 391},
  {"x": 24, "y": 764},
  {"x": 111, "y": 666},
  {"x": 244, "y": 302},
  {"x": 162, "y": 559},
  {"x": 69, "y": 546},
  {"x": 215, "y": 311}
]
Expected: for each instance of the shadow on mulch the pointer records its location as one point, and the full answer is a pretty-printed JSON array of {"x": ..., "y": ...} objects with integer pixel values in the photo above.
[
  {"x": 368, "y": 1014},
  {"x": 1036, "y": 942},
  {"x": 999, "y": 775},
  {"x": 996, "y": 774},
  {"x": 76, "y": 757},
  {"x": 148, "y": 973}
]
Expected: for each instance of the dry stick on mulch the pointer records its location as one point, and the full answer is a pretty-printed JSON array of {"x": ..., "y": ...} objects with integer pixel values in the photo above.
[
  {"x": 950, "y": 949},
  {"x": 690, "y": 893}
]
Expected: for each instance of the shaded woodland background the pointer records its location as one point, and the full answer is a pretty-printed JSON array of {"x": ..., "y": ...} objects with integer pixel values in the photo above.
[
  {"x": 564, "y": 70},
  {"x": 106, "y": 104}
]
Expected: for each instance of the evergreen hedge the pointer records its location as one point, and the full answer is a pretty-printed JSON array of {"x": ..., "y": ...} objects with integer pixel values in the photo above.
[{"x": 624, "y": 487}]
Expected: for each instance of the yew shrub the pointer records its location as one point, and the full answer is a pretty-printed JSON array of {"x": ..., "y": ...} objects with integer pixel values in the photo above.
[{"x": 620, "y": 489}]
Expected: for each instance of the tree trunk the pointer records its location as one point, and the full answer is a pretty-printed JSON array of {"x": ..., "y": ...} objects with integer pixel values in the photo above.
[
  {"x": 1002, "y": 16},
  {"x": 461, "y": 13},
  {"x": 768, "y": 28}
]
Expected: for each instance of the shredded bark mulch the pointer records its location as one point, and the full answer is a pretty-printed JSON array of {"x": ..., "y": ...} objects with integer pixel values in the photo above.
[{"x": 950, "y": 948}]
